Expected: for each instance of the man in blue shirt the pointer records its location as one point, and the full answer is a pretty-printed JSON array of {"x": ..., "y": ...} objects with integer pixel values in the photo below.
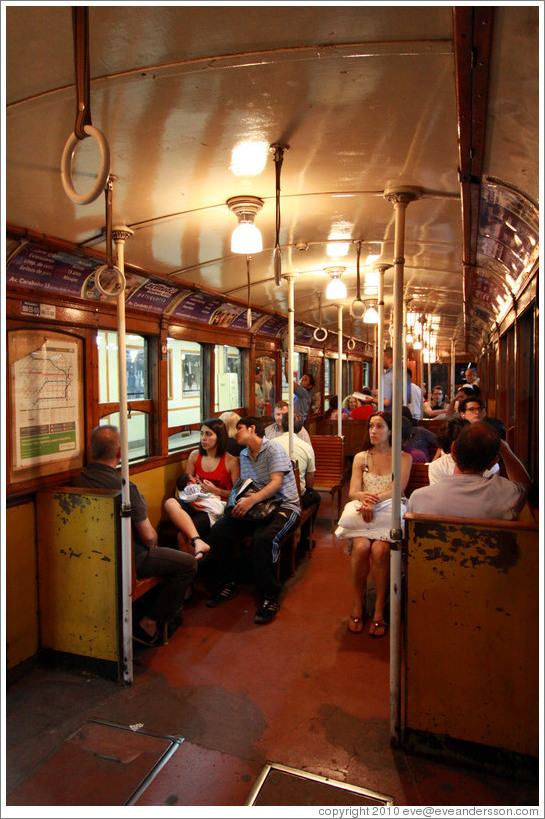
[
  {"x": 388, "y": 379},
  {"x": 302, "y": 397},
  {"x": 268, "y": 465}
]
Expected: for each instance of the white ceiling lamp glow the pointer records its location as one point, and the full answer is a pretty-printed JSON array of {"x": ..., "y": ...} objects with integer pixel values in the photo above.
[
  {"x": 370, "y": 316},
  {"x": 248, "y": 158},
  {"x": 246, "y": 237},
  {"x": 336, "y": 289}
]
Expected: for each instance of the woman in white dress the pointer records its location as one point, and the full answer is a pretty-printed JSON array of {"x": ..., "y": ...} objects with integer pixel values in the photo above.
[{"x": 369, "y": 520}]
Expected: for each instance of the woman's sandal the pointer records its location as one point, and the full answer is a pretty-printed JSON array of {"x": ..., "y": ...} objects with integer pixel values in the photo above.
[
  {"x": 378, "y": 624},
  {"x": 200, "y": 553},
  {"x": 357, "y": 624}
]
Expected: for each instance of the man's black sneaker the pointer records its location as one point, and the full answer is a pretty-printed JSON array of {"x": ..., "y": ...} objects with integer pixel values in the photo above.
[
  {"x": 228, "y": 591},
  {"x": 266, "y": 611},
  {"x": 143, "y": 638}
]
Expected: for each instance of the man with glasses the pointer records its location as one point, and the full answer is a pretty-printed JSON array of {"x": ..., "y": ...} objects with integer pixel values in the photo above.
[
  {"x": 435, "y": 408},
  {"x": 472, "y": 410}
]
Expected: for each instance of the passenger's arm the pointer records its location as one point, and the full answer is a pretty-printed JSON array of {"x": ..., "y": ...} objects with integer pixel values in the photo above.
[
  {"x": 515, "y": 469},
  {"x": 309, "y": 480},
  {"x": 146, "y": 533}
]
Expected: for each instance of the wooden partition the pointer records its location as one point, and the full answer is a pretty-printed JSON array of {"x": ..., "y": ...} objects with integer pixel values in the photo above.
[{"x": 472, "y": 634}]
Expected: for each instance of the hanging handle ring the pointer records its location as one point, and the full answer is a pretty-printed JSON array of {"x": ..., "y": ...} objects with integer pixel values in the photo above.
[
  {"x": 115, "y": 280},
  {"x": 317, "y": 335},
  {"x": 350, "y": 344},
  {"x": 66, "y": 167}
]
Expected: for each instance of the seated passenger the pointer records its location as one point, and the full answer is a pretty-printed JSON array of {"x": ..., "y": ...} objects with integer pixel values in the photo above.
[
  {"x": 230, "y": 419},
  {"x": 331, "y": 414},
  {"x": 466, "y": 493},
  {"x": 435, "y": 408},
  {"x": 275, "y": 430},
  {"x": 366, "y": 406},
  {"x": 350, "y": 403},
  {"x": 368, "y": 518},
  {"x": 268, "y": 465},
  {"x": 215, "y": 471},
  {"x": 303, "y": 453},
  {"x": 464, "y": 392},
  {"x": 421, "y": 438},
  {"x": 443, "y": 464},
  {"x": 417, "y": 455},
  {"x": 163, "y": 603}
]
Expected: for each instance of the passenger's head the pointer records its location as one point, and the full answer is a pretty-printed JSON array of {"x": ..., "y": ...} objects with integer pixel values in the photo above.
[
  {"x": 352, "y": 402},
  {"x": 407, "y": 414},
  {"x": 406, "y": 430},
  {"x": 230, "y": 419},
  {"x": 380, "y": 428},
  {"x": 105, "y": 443},
  {"x": 471, "y": 375},
  {"x": 388, "y": 357},
  {"x": 449, "y": 432},
  {"x": 280, "y": 408},
  {"x": 213, "y": 434},
  {"x": 245, "y": 425},
  {"x": 498, "y": 425},
  {"x": 333, "y": 402},
  {"x": 366, "y": 391},
  {"x": 472, "y": 409},
  {"x": 297, "y": 422},
  {"x": 476, "y": 448},
  {"x": 437, "y": 397},
  {"x": 307, "y": 381}
]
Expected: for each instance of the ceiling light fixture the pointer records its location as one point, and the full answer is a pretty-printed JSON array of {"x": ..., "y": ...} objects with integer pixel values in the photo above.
[
  {"x": 370, "y": 316},
  {"x": 336, "y": 289},
  {"x": 246, "y": 236}
]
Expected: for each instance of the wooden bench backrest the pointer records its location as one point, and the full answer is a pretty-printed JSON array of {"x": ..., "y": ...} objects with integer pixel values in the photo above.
[
  {"x": 419, "y": 477},
  {"x": 329, "y": 457},
  {"x": 353, "y": 432},
  {"x": 472, "y": 624}
]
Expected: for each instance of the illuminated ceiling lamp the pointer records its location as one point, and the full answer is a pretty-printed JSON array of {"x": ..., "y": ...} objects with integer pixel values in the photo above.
[
  {"x": 336, "y": 289},
  {"x": 246, "y": 236},
  {"x": 370, "y": 316}
]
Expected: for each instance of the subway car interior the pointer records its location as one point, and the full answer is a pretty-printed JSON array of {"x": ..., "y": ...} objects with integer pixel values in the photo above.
[{"x": 204, "y": 203}]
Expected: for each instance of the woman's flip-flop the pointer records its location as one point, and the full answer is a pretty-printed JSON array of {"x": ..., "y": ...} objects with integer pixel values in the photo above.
[
  {"x": 355, "y": 625},
  {"x": 378, "y": 625}
]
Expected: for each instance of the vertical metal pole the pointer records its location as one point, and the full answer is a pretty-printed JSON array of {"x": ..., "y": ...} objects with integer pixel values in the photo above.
[
  {"x": 340, "y": 369},
  {"x": 429, "y": 362},
  {"x": 400, "y": 199},
  {"x": 120, "y": 235},
  {"x": 406, "y": 396},
  {"x": 291, "y": 343},
  {"x": 452, "y": 368},
  {"x": 380, "y": 351},
  {"x": 375, "y": 358}
]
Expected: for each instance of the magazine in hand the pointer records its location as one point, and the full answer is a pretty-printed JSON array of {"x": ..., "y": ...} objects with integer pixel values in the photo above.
[{"x": 260, "y": 512}]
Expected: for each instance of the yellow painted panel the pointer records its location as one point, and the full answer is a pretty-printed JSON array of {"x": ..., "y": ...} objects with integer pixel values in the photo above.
[
  {"x": 77, "y": 573},
  {"x": 472, "y": 661},
  {"x": 156, "y": 485},
  {"x": 21, "y": 584}
]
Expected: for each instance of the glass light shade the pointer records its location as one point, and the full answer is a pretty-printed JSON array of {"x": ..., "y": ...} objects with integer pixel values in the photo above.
[
  {"x": 336, "y": 289},
  {"x": 417, "y": 345},
  {"x": 246, "y": 239},
  {"x": 371, "y": 316},
  {"x": 409, "y": 338}
]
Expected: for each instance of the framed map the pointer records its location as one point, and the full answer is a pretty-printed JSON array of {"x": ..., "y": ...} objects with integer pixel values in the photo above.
[{"x": 46, "y": 402}]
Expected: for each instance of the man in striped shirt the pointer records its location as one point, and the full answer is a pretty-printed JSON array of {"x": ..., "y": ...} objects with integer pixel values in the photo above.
[{"x": 268, "y": 465}]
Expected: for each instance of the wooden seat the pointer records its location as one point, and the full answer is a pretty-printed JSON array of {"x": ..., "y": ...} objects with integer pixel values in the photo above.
[
  {"x": 419, "y": 477},
  {"x": 330, "y": 473},
  {"x": 142, "y": 585}
]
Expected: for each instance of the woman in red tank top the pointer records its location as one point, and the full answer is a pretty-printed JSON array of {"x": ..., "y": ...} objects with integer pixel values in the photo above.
[{"x": 216, "y": 470}]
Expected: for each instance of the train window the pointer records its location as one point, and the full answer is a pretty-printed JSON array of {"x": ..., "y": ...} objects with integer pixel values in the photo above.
[
  {"x": 137, "y": 367},
  {"x": 137, "y": 432},
  {"x": 297, "y": 370},
  {"x": 265, "y": 381},
  {"x": 365, "y": 374},
  {"x": 228, "y": 366},
  {"x": 329, "y": 376},
  {"x": 184, "y": 392}
]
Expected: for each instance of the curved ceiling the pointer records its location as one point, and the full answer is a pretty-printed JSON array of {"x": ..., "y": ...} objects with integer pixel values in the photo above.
[{"x": 366, "y": 97}]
